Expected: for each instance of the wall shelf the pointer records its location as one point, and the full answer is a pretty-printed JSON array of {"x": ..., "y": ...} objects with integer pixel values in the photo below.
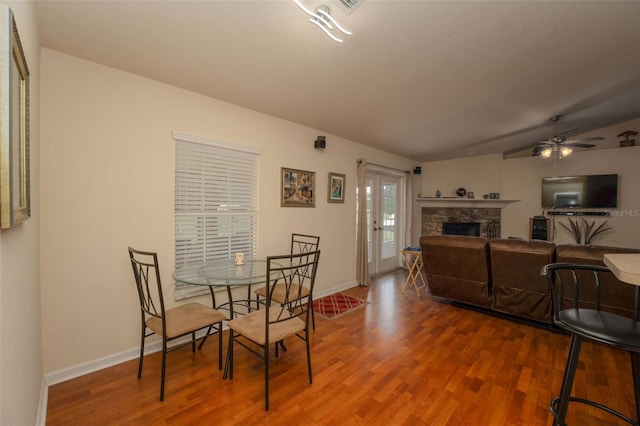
[{"x": 464, "y": 202}]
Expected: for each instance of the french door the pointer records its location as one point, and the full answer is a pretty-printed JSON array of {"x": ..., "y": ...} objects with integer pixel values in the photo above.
[{"x": 385, "y": 227}]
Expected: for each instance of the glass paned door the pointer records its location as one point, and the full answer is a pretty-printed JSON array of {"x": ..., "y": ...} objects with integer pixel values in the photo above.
[{"x": 384, "y": 224}]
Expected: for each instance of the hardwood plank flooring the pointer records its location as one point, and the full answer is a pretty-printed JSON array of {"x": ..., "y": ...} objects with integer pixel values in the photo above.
[{"x": 401, "y": 360}]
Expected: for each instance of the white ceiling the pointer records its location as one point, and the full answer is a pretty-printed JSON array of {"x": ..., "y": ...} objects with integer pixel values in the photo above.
[{"x": 427, "y": 80}]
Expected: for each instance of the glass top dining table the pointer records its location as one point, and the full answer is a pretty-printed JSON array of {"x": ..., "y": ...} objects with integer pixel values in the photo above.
[{"x": 224, "y": 273}]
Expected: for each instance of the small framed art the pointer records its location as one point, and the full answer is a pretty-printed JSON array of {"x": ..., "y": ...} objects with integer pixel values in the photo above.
[
  {"x": 336, "y": 188},
  {"x": 297, "y": 188}
]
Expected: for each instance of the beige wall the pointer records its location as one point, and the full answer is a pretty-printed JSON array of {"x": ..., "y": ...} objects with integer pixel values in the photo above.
[
  {"x": 107, "y": 183},
  {"x": 480, "y": 174},
  {"x": 20, "y": 346},
  {"x": 520, "y": 179}
]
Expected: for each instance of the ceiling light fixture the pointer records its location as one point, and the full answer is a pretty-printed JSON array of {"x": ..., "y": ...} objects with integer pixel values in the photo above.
[
  {"x": 324, "y": 11},
  {"x": 322, "y": 18},
  {"x": 565, "y": 151},
  {"x": 558, "y": 152}
]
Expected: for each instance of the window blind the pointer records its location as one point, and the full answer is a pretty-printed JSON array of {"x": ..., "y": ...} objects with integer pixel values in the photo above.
[{"x": 216, "y": 203}]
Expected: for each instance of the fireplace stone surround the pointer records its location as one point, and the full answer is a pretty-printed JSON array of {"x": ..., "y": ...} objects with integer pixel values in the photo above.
[{"x": 489, "y": 219}]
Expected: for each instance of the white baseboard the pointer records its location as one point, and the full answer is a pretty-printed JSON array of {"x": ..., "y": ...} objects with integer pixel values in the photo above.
[
  {"x": 41, "y": 417},
  {"x": 101, "y": 363},
  {"x": 332, "y": 290}
]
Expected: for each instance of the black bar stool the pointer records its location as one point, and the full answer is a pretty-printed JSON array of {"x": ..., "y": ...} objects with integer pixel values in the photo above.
[{"x": 580, "y": 287}]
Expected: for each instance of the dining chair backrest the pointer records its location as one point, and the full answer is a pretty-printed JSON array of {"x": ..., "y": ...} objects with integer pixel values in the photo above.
[
  {"x": 147, "y": 277},
  {"x": 296, "y": 272},
  {"x": 301, "y": 243}
]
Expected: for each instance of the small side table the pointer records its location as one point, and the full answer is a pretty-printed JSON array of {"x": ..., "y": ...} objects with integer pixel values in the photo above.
[{"x": 413, "y": 260}]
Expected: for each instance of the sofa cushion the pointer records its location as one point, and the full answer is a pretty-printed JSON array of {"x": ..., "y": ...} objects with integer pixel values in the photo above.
[
  {"x": 517, "y": 286},
  {"x": 616, "y": 296},
  {"x": 457, "y": 267}
]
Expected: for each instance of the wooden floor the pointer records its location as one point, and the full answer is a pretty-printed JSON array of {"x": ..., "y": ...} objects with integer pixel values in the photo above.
[{"x": 402, "y": 360}]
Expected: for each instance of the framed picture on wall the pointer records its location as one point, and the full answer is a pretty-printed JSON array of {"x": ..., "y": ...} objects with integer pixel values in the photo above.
[
  {"x": 297, "y": 188},
  {"x": 15, "y": 201},
  {"x": 336, "y": 188}
]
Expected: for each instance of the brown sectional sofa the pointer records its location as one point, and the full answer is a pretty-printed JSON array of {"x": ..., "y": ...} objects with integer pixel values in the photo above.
[{"x": 503, "y": 275}]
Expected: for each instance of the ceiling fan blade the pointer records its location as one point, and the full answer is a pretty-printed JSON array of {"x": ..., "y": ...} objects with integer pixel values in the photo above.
[
  {"x": 536, "y": 150},
  {"x": 595, "y": 138},
  {"x": 579, "y": 145}
]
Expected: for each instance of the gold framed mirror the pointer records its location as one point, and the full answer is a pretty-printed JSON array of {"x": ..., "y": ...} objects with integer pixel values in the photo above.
[{"x": 15, "y": 200}]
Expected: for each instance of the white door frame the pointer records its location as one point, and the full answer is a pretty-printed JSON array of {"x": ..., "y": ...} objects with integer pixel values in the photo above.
[{"x": 385, "y": 255}]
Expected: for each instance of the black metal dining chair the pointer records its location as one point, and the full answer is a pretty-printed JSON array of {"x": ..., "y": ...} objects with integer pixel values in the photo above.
[
  {"x": 300, "y": 244},
  {"x": 258, "y": 329},
  {"x": 577, "y": 292},
  {"x": 173, "y": 323}
]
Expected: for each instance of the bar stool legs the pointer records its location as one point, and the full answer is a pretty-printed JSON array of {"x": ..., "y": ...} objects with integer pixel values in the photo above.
[
  {"x": 560, "y": 405},
  {"x": 635, "y": 367}
]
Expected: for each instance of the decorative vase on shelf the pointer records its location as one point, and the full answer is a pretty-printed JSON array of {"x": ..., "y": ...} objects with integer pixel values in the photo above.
[{"x": 438, "y": 194}]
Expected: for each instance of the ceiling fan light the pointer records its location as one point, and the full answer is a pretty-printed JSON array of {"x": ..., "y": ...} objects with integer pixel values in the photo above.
[
  {"x": 326, "y": 30},
  {"x": 565, "y": 151},
  {"x": 326, "y": 13},
  {"x": 546, "y": 153},
  {"x": 322, "y": 18}
]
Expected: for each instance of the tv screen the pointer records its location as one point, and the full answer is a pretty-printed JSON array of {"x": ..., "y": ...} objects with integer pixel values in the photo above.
[{"x": 572, "y": 192}]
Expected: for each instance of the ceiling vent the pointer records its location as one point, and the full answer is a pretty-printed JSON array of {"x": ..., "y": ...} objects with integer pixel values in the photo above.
[{"x": 349, "y": 5}]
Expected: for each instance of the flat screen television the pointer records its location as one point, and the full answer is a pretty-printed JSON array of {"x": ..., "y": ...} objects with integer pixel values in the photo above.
[{"x": 573, "y": 192}]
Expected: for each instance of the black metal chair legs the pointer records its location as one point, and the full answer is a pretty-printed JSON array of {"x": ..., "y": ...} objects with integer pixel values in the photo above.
[{"x": 560, "y": 405}]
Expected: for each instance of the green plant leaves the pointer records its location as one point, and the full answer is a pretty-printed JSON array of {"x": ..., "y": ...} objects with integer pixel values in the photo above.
[{"x": 583, "y": 231}]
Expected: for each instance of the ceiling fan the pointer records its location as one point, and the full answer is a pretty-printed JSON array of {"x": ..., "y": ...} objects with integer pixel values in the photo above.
[{"x": 559, "y": 146}]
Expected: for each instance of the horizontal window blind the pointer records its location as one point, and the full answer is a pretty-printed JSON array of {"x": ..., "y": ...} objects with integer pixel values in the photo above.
[{"x": 216, "y": 203}]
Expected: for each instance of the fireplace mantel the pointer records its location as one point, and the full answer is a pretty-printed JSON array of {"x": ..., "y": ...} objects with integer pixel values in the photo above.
[{"x": 464, "y": 202}]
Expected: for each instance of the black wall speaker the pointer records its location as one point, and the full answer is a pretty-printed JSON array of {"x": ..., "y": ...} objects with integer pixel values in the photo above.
[
  {"x": 320, "y": 142},
  {"x": 417, "y": 170}
]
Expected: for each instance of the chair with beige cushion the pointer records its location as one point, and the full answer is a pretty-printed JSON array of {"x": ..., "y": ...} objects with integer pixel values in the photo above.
[
  {"x": 300, "y": 244},
  {"x": 170, "y": 324},
  {"x": 261, "y": 328}
]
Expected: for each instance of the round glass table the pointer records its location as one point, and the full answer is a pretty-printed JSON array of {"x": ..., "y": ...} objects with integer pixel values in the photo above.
[{"x": 225, "y": 273}]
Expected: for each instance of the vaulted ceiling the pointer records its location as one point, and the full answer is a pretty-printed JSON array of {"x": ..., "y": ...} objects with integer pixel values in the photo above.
[{"x": 427, "y": 80}]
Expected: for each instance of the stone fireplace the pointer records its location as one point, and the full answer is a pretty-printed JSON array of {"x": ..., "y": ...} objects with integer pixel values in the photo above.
[{"x": 434, "y": 218}]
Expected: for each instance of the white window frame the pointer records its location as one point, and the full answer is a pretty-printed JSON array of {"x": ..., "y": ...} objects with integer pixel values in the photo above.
[{"x": 215, "y": 203}]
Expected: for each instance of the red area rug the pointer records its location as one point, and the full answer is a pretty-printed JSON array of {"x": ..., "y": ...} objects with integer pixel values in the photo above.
[{"x": 337, "y": 305}]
